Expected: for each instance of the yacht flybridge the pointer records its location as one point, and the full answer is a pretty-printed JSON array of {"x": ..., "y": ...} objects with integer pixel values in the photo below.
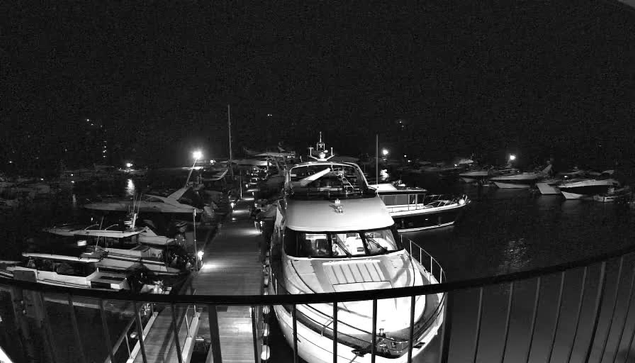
[{"x": 334, "y": 234}]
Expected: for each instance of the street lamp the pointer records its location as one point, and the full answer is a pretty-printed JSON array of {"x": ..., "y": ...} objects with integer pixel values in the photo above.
[
  {"x": 512, "y": 157},
  {"x": 196, "y": 155},
  {"x": 128, "y": 165},
  {"x": 384, "y": 152}
]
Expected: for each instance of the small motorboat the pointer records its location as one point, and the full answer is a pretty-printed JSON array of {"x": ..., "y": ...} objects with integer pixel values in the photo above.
[{"x": 614, "y": 195}]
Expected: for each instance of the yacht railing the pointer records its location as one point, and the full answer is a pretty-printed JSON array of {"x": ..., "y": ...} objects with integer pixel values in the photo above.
[
  {"x": 577, "y": 311},
  {"x": 405, "y": 202}
]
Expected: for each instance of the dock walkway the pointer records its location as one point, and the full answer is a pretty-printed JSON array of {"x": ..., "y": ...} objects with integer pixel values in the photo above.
[{"x": 231, "y": 266}]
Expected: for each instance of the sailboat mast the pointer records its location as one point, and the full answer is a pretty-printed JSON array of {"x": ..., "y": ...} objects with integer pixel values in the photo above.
[
  {"x": 229, "y": 126},
  {"x": 377, "y": 159}
]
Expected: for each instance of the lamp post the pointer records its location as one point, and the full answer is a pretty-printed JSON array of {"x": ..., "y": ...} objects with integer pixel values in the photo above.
[{"x": 196, "y": 155}]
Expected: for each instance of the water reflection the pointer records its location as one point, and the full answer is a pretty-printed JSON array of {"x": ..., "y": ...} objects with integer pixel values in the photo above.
[
  {"x": 515, "y": 256},
  {"x": 130, "y": 188}
]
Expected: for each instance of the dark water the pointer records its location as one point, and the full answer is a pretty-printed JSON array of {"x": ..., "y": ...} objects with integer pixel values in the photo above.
[{"x": 501, "y": 231}]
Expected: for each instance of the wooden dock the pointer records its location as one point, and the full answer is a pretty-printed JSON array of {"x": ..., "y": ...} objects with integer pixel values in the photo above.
[{"x": 231, "y": 266}]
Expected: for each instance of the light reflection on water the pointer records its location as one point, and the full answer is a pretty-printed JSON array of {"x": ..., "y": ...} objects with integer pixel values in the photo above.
[{"x": 130, "y": 188}]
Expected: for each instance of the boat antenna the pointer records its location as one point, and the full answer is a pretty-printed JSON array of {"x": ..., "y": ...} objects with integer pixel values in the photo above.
[{"x": 322, "y": 153}]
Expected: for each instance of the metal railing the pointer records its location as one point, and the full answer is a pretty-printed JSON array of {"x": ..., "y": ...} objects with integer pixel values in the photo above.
[
  {"x": 578, "y": 311},
  {"x": 405, "y": 202}
]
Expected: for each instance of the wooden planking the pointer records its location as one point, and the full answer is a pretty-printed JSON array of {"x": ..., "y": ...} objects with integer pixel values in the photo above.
[
  {"x": 159, "y": 343},
  {"x": 235, "y": 334},
  {"x": 232, "y": 267},
  {"x": 231, "y": 263}
]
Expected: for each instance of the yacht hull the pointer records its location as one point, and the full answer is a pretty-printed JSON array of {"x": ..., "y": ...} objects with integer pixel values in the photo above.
[
  {"x": 511, "y": 185},
  {"x": 424, "y": 219},
  {"x": 314, "y": 347}
]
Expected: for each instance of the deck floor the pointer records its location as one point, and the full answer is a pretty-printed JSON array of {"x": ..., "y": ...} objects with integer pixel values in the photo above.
[{"x": 231, "y": 266}]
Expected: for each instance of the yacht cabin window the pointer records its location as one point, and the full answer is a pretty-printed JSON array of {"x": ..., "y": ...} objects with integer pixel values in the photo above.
[{"x": 341, "y": 244}]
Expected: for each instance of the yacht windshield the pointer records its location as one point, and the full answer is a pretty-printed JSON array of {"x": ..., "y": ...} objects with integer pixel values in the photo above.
[
  {"x": 328, "y": 180},
  {"x": 341, "y": 244}
]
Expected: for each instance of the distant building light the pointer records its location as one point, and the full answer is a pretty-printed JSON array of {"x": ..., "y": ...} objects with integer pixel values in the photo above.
[
  {"x": 128, "y": 165},
  {"x": 10, "y": 161},
  {"x": 269, "y": 115}
]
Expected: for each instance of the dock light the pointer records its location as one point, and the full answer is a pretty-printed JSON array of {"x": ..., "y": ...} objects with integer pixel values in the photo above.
[
  {"x": 384, "y": 152},
  {"x": 81, "y": 243},
  {"x": 128, "y": 165},
  {"x": 512, "y": 157},
  {"x": 265, "y": 353},
  {"x": 232, "y": 204},
  {"x": 265, "y": 330},
  {"x": 200, "y": 254},
  {"x": 197, "y": 154}
]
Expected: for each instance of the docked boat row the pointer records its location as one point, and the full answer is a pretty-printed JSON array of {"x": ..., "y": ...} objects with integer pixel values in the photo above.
[{"x": 117, "y": 257}]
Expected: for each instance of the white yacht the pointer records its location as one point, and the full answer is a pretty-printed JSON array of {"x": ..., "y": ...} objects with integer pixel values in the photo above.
[
  {"x": 128, "y": 247},
  {"x": 334, "y": 234},
  {"x": 415, "y": 209},
  {"x": 550, "y": 186},
  {"x": 183, "y": 201},
  {"x": 587, "y": 188},
  {"x": 520, "y": 180},
  {"x": 67, "y": 271}
]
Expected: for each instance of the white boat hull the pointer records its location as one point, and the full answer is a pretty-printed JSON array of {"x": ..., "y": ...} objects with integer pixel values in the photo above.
[
  {"x": 317, "y": 348},
  {"x": 573, "y": 196},
  {"x": 504, "y": 185},
  {"x": 548, "y": 189}
]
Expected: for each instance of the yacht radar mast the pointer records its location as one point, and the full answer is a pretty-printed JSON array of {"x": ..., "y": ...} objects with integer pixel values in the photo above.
[{"x": 320, "y": 153}]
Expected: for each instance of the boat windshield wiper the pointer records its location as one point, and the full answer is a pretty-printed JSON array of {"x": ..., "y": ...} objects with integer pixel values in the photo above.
[
  {"x": 342, "y": 247},
  {"x": 306, "y": 181}
]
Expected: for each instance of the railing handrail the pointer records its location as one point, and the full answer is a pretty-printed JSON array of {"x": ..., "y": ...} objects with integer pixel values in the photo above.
[{"x": 250, "y": 300}]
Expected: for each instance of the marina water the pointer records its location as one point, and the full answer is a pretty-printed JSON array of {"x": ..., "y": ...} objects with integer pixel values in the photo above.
[{"x": 501, "y": 231}]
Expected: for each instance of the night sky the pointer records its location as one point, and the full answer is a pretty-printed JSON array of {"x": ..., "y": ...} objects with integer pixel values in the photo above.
[{"x": 539, "y": 78}]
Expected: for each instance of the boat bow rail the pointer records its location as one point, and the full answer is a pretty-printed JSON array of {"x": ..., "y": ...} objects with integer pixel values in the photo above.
[
  {"x": 319, "y": 317},
  {"x": 592, "y": 295}
]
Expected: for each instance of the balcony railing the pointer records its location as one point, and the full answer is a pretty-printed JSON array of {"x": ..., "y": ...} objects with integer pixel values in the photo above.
[{"x": 578, "y": 311}]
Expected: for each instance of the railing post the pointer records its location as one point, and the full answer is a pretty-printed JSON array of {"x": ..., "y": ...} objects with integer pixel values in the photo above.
[
  {"x": 373, "y": 341},
  {"x": 106, "y": 331},
  {"x": 212, "y": 314},
  {"x": 534, "y": 316},
  {"x": 615, "y": 297},
  {"x": 140, "y": 331},
  {"x": 447, "y": 329},
  {"x": 294, "y": 317},
  {"x": 175, "y": 330},
  {"x": 78, "y": 339},
  {"x": 557, "y": 318},
  {"x": 510, "y": 300},
  {"x": 254, "y": 333},
  {"x": 335, "y": 332},
  {"x": 478, "y": 324},
  {"x": 628, "y": 310},
  {"x": 411, "y": 331},
  {"x": 47, "y": 328},
  {"x": 598, "y": 305},
  {"x": 577, "y": 320}
]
